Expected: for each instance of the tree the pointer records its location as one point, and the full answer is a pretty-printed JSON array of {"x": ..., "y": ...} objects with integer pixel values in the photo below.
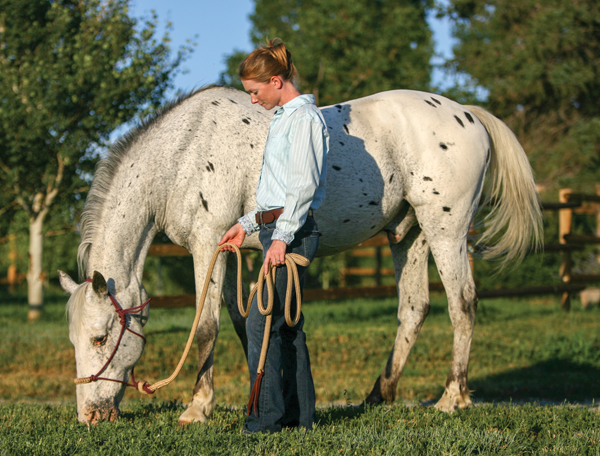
[
  {"x": 71, "y": 72},
  {"x": 539, "y": 63},
  {"x": 347, "y": 49}
]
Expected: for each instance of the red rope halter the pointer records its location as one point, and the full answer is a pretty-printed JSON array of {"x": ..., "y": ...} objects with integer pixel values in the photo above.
[{"x": 123, "y": 320}]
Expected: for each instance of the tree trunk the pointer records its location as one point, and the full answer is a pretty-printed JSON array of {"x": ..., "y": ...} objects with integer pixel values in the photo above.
[{"x": 35, "y": 275}]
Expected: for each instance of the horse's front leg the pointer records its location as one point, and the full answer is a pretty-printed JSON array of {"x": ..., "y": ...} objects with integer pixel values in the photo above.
[
  {"x": 230, "y": 298},
  {"x": 410, "y": 264},
  {"x": 203, "y": 400}
]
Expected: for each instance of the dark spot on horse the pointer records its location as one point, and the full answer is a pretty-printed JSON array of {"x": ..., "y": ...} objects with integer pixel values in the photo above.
[
  {"x": 373, "y": 203},
  {"x": 427, "y": 178},
  {"x": 364, "y": 194},
  {"x": 412, "y": 174},
  {"x": 208, "y": 168},
  {"x": 406, "y": 339},
  {"x": 234, "y": 102},
  {"x": 129, "y": 184},
  {"x": 341, "y": 143},
  {"x": 437, "y": 101},
  {"x": 216, "y": 103},
  {"x": 360, "y": 205},
  {"x": 460, "y": 251},
  {"x": 373, "y": 227},
  {"x": 443, "y": 146},
  {"x": 459, "y": 121},
  {"x": 446, "y": 209},
  {"x": 132, "y": 165},
  {"x": 337, "y": 168},
  {"x": 346, "y": 221},
  {"x": 251, "y": 146},
  {"x": 214, "y": 122},
  {"x": 246, "y": 121},
  {"x": 435, "y": 192},
  {"x": 339, "y": 107},
  {"x": 346, "y": 128},
  {"x": 360, "y": 180},
  {"x": 391, "y": 179},
  {"x": 212, "y": 281},
  {"x": 441, "y": 273},
  {"x": 212, "y": 168},
  {"x": 442, "y": 228},
  {"x": 469, "y": 117},
  {"x": 204, "y": 202},
  {"x": 423, "y": 242},
  {"x": 430, "y": 103},
  {"x": 412, "y": 307},
  {"x": 137, "y": 176}
]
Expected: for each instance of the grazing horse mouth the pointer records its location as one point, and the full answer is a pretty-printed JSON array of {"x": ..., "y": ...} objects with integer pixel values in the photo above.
[{"x": 93, "y": 415}]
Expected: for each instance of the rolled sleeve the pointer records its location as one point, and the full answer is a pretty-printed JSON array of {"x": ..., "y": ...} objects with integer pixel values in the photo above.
[{"x": 248, "y": 222}]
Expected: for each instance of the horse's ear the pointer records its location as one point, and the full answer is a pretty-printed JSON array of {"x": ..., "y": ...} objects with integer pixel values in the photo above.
[
  {"x": 66, "y": 282},
  {"x": 99, "y": 284}
]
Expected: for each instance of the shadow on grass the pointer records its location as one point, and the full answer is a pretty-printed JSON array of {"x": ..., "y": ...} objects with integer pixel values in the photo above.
[
  {"x": 554, "y": 379},
  {"x": 151, "y": 408},
  {"x": 333, "y": 415}
]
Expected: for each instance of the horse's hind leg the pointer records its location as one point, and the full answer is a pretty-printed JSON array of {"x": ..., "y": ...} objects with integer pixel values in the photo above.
[
  {"x": 450, "y": 254},
  {"x": 410, "y": 263}
]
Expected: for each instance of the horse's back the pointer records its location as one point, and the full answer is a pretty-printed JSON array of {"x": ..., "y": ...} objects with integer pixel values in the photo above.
[{"x": 395, "y": 146}]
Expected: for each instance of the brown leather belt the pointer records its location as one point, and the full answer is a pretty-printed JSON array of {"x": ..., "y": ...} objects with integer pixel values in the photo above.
[{"x": 272, "y": 215}]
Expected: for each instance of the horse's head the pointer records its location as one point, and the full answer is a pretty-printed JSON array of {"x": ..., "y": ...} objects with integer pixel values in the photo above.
[{"x": 95, "y": 328}]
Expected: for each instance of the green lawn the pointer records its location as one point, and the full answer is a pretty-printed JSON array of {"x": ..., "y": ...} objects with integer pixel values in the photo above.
[{"x": 525, "y": 351}]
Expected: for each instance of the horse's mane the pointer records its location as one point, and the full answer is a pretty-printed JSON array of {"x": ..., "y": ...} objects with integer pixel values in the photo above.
[{"x": 106, "y": 170}]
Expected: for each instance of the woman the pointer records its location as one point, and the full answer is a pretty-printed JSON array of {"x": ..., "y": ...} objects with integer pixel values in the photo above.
[{"x": 291, "y": 185}]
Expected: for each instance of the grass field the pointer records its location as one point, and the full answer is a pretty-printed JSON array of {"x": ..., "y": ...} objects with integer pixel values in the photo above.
[{"x": 527, "y": 352}]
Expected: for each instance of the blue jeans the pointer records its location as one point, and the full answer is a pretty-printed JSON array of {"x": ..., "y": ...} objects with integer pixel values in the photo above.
[{"x": 287, "y": 392}]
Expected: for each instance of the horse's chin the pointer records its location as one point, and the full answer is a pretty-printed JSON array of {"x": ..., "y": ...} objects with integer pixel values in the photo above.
[{"x": 93, "y": 415}]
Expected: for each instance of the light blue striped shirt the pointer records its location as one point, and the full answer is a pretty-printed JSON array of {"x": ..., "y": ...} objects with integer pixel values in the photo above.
[{"x": 293, "y": 169}]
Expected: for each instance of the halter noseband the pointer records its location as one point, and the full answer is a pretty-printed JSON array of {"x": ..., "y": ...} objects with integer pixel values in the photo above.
[{"x": 123, "y": 320}]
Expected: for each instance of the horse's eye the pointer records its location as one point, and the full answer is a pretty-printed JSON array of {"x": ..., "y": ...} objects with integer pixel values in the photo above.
[{"x": 99, "y": 340}]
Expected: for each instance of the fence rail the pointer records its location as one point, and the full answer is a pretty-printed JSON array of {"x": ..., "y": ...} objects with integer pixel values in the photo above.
[{"x": 377, "y": 247}]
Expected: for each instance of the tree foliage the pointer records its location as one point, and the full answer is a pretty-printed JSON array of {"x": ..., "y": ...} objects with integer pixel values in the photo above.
[
  {"x": 539, "y": 62},
  {"x": 347, "y": 49},
  {"x": 71, "y": 71}
]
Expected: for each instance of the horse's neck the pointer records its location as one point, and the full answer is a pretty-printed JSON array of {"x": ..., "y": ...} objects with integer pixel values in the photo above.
[{"x": 123, "y": 235}]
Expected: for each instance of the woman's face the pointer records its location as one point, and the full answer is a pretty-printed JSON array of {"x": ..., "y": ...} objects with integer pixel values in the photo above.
[{"x": 266, "y": 94}]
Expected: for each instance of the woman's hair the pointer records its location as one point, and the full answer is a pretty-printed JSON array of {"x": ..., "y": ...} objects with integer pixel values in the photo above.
[{"x": 267, "y": 61}]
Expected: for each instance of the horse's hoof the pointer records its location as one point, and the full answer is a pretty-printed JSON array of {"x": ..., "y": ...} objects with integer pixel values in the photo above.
[
  {"x": 192, "y": 415},
  {"x": 449, "y": 403}
]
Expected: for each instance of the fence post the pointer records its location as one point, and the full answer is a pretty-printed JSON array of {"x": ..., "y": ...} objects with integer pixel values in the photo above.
[
  {"x": 12, "y": 268},
  {"x": 598, "y": 222},
  {"x": 565, "y": 217}
]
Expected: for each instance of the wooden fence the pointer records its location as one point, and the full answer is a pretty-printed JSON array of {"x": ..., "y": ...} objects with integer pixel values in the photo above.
[{"x": 377, "y": 247}]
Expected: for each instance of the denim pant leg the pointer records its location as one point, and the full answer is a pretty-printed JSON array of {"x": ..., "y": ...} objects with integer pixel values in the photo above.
[{"x": 287, "y": 395}]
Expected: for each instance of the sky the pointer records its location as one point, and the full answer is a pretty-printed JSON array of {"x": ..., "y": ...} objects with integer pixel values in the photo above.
[{"x": 221, "y": 26}]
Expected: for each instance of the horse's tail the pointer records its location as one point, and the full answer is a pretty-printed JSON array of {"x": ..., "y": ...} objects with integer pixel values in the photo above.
[{"x": 511, "y": 194}]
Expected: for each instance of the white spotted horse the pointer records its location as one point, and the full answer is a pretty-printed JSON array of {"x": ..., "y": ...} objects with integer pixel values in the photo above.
[{"x": 408, "y": 163}]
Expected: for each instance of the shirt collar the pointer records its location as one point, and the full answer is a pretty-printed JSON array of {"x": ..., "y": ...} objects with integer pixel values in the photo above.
[{"x": 296, "y": 103}]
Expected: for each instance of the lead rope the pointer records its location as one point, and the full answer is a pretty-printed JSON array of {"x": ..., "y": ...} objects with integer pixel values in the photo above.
[{"x": 291, "y": 259}]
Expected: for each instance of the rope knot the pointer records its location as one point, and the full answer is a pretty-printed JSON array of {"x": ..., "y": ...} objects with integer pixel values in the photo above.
[{"x": 144, "y": 387}]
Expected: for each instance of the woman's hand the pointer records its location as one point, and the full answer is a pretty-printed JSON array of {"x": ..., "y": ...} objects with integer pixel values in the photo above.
[
  {"x": 275, "y": 255},
  {"x": 235, "y": 235}
]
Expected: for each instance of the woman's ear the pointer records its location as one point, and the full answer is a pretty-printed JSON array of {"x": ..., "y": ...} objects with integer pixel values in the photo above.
[{"x": 277, "y": 82}]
